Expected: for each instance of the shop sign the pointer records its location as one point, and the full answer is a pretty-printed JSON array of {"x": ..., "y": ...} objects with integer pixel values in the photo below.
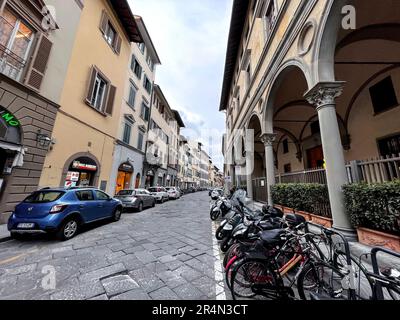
[
  {"x": 126, "y": 167},
  {"x": 8, "y": 118},
  {"x": 72, "y": 176},
  {"x": 70, "y": 184},
  {"x": 83, "y": 166}
]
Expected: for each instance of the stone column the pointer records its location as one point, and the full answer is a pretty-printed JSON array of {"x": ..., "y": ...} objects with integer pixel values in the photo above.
[
  {"x": 323, "y": 96},
  {"x": 249, "y": 148},
  {"x": 268, "y": 139}
]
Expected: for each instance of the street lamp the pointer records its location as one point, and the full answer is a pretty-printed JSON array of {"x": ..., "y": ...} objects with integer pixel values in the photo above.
[{"x": 43, "y": 139}]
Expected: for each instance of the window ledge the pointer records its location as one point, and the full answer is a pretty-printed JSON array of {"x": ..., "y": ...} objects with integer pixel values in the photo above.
[{"x": 105, "y": 115}]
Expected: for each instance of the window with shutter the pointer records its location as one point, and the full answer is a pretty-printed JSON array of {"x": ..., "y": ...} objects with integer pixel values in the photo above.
[
  {"x": 100, "y": 93},
  {"x": 145, "y": 112},
  {"x": 132, "y": 96},
  {"x": 117, "y": 45},
  {"x": 104, "y": 22},
  {"x": 37, "y": 69},
  {"x": 127, "y": 133},
  {"x": 110, "y": 100},
  {"x": 140, "y": 141}
]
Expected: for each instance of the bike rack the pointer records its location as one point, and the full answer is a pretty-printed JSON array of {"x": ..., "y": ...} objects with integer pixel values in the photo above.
[
  {"x": 347, "y": 253},
  {"x": 375, "y": 268}
]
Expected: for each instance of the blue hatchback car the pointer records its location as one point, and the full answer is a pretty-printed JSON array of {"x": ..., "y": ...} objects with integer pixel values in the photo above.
[{"x": 62, "y": 211}]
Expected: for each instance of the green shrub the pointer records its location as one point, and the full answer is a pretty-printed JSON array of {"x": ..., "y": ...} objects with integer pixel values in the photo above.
[
  {"x": 309, "y": 197},
  {"x": 375, "y": 206}
]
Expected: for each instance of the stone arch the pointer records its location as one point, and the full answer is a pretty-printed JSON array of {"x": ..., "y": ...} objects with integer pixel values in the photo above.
[
  {"x": 323, "y": 65},
  {"x": 275, "y": 84},
  {"x": 80, "y": 155}
]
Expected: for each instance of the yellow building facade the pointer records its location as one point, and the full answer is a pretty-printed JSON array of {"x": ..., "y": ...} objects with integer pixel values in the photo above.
[{"x": 89, "y": 117}]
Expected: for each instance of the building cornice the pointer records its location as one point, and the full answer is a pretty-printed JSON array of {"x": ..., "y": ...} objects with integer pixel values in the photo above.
[{"x": 291, "y": 33}]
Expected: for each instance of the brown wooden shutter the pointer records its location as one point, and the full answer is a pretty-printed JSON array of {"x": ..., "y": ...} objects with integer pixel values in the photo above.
[
  {"x": 110, "y": 100},
  {"x": 40, "y": 58},
  {"x": 104, "y": 22},
  {"x": 90, "y": 88},
  {"x": 117, "y": 44}
]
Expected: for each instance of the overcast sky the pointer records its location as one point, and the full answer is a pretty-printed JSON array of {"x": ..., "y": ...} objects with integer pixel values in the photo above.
[{"x": 190, "y": 37}]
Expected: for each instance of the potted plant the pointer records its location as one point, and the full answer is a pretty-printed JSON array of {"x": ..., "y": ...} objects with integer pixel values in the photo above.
[{"x": 375, "y": 212}]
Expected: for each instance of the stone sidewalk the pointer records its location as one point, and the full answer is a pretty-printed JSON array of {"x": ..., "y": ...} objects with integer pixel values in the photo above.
[
  {"x": 161, "y": 253},
  {"x": 4, "y": 234}
]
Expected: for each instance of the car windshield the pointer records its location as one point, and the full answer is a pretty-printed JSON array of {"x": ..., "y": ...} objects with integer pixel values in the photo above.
[
  {"x": 126, "y": 193},
  {"x": 153, "y": 190},
  {"x": 44, "y": 196}
]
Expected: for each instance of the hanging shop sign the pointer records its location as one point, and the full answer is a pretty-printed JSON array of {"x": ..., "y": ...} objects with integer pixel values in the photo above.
[
  {"x": 126, "y": 167},
  {"x": 8, "y": 118},
  {"x": 83, "y": 166}
]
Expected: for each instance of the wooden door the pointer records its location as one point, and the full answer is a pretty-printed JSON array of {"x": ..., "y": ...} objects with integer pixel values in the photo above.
[
  {"x": 120, "y": 182},
  {"x": 315, "y": 157}
]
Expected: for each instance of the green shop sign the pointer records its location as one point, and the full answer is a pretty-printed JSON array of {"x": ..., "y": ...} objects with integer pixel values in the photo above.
[{"x": 8, "y": 118}]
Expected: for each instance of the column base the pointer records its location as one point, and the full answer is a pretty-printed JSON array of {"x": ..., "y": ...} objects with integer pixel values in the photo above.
[{"x": 349, "y": 234}]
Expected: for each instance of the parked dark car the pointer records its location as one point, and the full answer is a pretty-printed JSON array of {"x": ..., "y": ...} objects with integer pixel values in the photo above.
[
  {"x": 62, "y": 211},
  {"x": 137, "y": 199}
]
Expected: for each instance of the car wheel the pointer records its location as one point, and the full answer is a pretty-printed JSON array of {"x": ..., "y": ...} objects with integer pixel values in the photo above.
[
  {"x": 117, "y": 215},
  {"x": 140, "y": 208},
  {"x": 68, "y": 229},
  {"x": 154, "y": 204}
]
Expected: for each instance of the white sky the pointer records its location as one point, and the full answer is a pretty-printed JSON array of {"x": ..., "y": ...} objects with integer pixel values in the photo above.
[{"x": 190, "y": 37}]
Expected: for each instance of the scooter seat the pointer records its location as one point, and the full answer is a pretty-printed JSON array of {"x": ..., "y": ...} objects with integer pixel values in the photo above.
[
  {"x": 268, "y": 225},
  {"x": 271, "y": 237}
]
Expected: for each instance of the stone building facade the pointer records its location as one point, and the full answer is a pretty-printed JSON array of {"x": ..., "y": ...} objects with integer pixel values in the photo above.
[{"x": 317, "y": 82}]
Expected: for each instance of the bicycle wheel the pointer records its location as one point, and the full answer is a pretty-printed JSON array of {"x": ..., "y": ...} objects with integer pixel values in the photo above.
[
  {"x": 363, "y": 283},
  {"x": 248, "y": 273},
  {"x": 321, "y": 280},
  {"x": 230, "y": 253},
  {"x": 228, "y": 272},
  {"x": 393, "y": 292}
]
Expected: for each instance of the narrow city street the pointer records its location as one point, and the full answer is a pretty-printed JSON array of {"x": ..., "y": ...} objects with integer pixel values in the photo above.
[{"x": 160, "y": 253}]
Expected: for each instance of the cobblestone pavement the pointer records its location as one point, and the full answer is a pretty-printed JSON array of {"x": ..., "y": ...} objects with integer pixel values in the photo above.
[{"x": 161, "y": 253}]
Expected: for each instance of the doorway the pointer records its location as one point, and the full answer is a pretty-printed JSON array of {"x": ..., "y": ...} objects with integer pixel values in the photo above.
[
  {"x": 137, "y": 183},
  {"x": 315, "y": 157},
  {"x": 123, "y": 181},
  {"x": 124, "y": 178}
]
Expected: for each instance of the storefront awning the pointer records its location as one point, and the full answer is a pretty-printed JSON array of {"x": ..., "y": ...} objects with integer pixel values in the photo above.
[{"x": 20, "y": 152}]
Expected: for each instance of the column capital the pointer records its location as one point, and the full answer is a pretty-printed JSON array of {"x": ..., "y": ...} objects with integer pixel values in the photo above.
[
  {"x": 324, "y": 93},
  {"x": 268, "y": 139}
]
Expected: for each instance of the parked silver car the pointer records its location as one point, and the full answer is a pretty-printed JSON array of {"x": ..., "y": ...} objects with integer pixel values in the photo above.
[
  {"x": 159, "y": 193},
  {"x": 173, "y": 193},
  {"x": 137, "y": 199}
]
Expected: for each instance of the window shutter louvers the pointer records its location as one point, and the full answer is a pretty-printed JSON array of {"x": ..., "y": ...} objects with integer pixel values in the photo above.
[
  {"x": 92, "y": 79},
  {"x": 117, "y": 45},
  {"x": 39, "y": 62},
  {"x": 104, "y": 22},
  {"x": 110, "y": 100}
]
